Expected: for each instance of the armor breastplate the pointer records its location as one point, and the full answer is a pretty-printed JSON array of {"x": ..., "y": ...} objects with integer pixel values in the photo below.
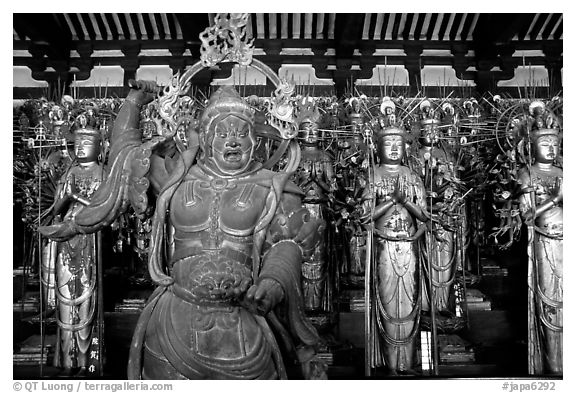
[
  {"x": 217, "y": 206},
  {"x": 213, "y": 222}
]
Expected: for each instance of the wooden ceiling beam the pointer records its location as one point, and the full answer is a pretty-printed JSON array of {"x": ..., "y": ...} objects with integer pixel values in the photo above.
[
  {"x": 44, "y": 29},
  {"x": 192, "y": 25}
]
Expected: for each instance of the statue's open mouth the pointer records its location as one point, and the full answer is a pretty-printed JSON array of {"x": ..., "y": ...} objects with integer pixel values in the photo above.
[{"x": 233, "y": 155}]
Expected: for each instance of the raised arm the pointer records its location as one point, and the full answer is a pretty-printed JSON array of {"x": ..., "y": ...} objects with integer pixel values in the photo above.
[
  {"x": 125, "y": 131},
  {"x": 129, "y": 163}
]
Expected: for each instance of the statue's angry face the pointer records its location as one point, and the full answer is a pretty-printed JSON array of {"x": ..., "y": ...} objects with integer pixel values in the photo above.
[{"x": 233, "y": 144}]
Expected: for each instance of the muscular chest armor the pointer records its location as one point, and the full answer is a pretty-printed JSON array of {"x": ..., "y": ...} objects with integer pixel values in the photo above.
[
  {"x": 217, "y": 207},
  {"x": 213, "y": 223}
]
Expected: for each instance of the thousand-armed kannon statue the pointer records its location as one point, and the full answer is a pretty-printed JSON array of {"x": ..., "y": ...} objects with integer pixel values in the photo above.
[
  {"x": 350, "y": 176},
  {"x": 228, "y": 235},
  {"x": 315, "y": 177},
  {"x": 396, "y": 207},
  {"x": 435, "y": 166},
  {"x": 77, "y": 258},
  {"x": 541, "y": 205}
]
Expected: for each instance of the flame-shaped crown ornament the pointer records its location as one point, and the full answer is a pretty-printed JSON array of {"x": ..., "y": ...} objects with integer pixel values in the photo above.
[
  {"x": 169, "y": 107},
  {"x": 280, "y": 113},
  {"x": 226, "y": 40}
]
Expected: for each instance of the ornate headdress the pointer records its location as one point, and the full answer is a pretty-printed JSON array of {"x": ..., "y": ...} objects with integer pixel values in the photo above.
[
  {"x": 448, "y": 108},
  {"x": 384, "y": 132},
  {"x": 427, "y": 114},
  {"x": 388, "y": 110},
  {"x": 86, "y": 126},
  {"x": 355, "y": 110},
  {"x": 386, "y": 104},
  {"x": 471, "y": 108},
  {"x": 88, "y": 131},
  {"x": 429, "y": 119},
  {"x": 542, "y": 122},
  {"x": 390, "y": 124},
  {"x": 307, "y": 111},
  {"x": 56, "y": 114}
]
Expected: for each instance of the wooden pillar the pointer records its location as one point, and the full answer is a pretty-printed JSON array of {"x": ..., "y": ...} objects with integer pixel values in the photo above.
[
  {"x": 507, "y": 63},
  {"x": 554, "y": 65},
  {"x": 85, "y": 64},
  {"x": 130, "y": 63},
  {"x": 58, "y": 80},
  {"x": 38, "y": 63},
  {"x": 485, "y": 80},
  {"x": 459, "y": 61},
  {"x": 343, "y": 76},
  {"x": 177, "y": 62},
  {"x": 272, "y": 60},
  {"x": 413, "y": 64}
]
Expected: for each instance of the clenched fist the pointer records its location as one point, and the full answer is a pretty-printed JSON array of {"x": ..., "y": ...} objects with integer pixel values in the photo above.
[
  {"x": 142, "y": 92},
  {"x": 262, "y": 297}
]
